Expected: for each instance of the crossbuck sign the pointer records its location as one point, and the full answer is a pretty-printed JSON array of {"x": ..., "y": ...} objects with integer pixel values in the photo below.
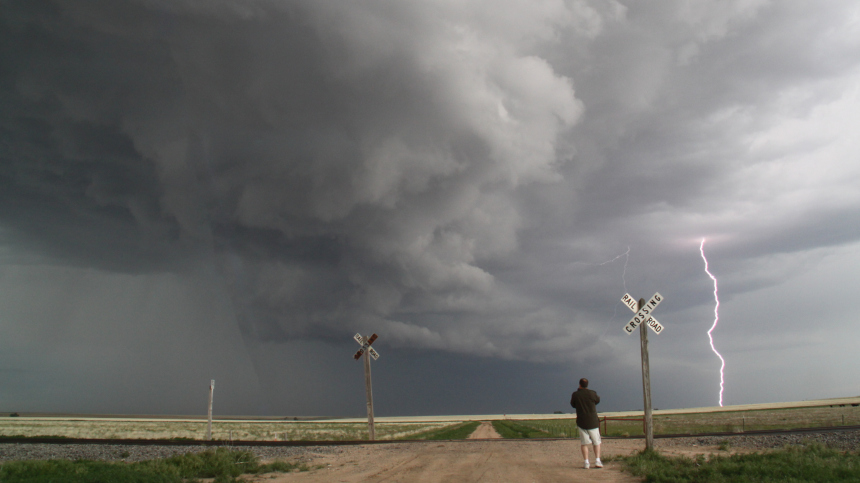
[
  {"x": 643, "y": 315},
  {"x": 365, "y": 346}
]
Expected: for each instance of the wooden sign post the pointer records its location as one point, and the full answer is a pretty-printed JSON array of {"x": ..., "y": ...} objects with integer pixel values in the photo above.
[
  {"x": 643, "y": 315},
  {"x": 646, "y": 384},
  {"x": 368, "y": 352},
  {"x": 209, "y": 425}
]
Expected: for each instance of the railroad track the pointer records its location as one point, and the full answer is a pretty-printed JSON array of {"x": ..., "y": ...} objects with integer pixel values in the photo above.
[{"x": 227, "y": 443}]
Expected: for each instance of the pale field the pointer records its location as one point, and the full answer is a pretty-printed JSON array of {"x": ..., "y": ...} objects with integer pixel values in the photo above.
[
  {"x": 842, "y": 401},
  {"x": 221, "y": 430},
  {"x": 825, "y": 412},
  {"x": 740, "y": 421}
]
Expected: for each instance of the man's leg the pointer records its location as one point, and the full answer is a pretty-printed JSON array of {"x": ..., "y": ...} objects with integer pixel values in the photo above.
[
  {"x": 585, "y": 455},
  {"x": 584, "y": 442},
  {"x": 593, "y": 437}
]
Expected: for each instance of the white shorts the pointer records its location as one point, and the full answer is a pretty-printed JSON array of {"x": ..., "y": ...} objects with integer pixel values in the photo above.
[{"x": 589, "y": 436}]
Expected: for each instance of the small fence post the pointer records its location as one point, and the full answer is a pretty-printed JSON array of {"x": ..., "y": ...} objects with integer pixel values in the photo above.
[{"x": 209, "y": 422}]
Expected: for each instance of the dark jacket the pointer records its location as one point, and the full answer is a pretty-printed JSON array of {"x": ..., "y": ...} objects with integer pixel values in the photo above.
[{"x": 585, "y": 400}]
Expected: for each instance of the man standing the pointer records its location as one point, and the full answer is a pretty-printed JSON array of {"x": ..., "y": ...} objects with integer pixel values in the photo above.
[{"x": 584, "y": 401}]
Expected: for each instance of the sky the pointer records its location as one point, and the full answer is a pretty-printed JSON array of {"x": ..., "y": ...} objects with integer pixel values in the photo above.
[{"x": 232, "y": 189}]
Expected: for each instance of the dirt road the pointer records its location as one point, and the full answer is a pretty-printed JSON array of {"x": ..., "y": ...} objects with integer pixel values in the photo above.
[
  {"x": 485, "y": 431},
  {"x": 485, "y": 457},
  {"x": 496, "y": 460}
]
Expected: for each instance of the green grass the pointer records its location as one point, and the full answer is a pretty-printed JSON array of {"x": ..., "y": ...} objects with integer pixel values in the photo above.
[
  {"x": 222, "y": 464},
  {"x": 813, "y": 462},
  {"x": 456, "y": 431},
  {"x": 516, "y": 429},
  {"x": 556, "y": 428},
  {"x": 536, "y": 428}
]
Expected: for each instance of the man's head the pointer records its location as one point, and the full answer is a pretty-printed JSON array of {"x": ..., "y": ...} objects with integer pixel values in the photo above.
[{"x": 583, "y": 383}]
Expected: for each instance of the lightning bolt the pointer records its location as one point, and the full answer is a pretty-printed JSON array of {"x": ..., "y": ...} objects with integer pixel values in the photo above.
[
  {"x": 623, "y": 272},
  {"x": 623, "y": 282},
  {"x": 627, "y": 253},
  {"x": 716, "y": 320}
]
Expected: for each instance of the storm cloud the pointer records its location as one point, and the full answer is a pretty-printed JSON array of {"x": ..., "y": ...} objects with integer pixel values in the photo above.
[{"x": 234, "y": 188}]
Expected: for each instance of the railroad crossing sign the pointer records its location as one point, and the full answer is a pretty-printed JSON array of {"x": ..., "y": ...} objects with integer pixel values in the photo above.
[
  {"x": 365, "y": 346},
  {"x": 643, "y": 315},
  {"x": 643, "y": 311},
  {"x": 366, "y": 350}
]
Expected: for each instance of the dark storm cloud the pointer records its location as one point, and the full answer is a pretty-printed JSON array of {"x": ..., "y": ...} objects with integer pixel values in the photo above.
[
  {"x": 348, "y": 161},
  {"x": 485, "y": 178}
]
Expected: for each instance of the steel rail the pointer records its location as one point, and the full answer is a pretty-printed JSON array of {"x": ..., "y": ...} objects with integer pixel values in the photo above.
[{"x": 227, "y": 443}]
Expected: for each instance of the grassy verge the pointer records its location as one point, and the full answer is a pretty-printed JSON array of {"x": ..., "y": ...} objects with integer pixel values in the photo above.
[
  {"x": 514, "y": 430},
  {"x": 813, "y": 462},
  {"x": 19, "y": 436},
  {"x": 457, "y": 431},
  {"x": 222, "y": 464}
]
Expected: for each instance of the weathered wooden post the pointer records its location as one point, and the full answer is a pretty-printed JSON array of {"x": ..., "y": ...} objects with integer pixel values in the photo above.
[
  {"x": 368, "y": 352},
  {"x": 646, "y": 383},
  {"x": 371, "y": 428},
  {"x": 209, "y": 424}
]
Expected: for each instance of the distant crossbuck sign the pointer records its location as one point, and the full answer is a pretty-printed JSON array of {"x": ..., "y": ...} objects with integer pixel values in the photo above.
[
  {"x": 643, "y": 315},
  {"x": 365, "y": 346}
]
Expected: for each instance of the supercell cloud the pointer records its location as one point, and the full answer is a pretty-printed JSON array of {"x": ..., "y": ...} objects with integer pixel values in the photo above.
[{"x": 232, "y": 189}]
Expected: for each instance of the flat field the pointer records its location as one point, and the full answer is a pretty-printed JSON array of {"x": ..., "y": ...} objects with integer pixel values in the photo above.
[
  {"x": 698, "y": 423},
  {"x": 221, "y": 430},
  {"x": 737, "y": 419}
]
